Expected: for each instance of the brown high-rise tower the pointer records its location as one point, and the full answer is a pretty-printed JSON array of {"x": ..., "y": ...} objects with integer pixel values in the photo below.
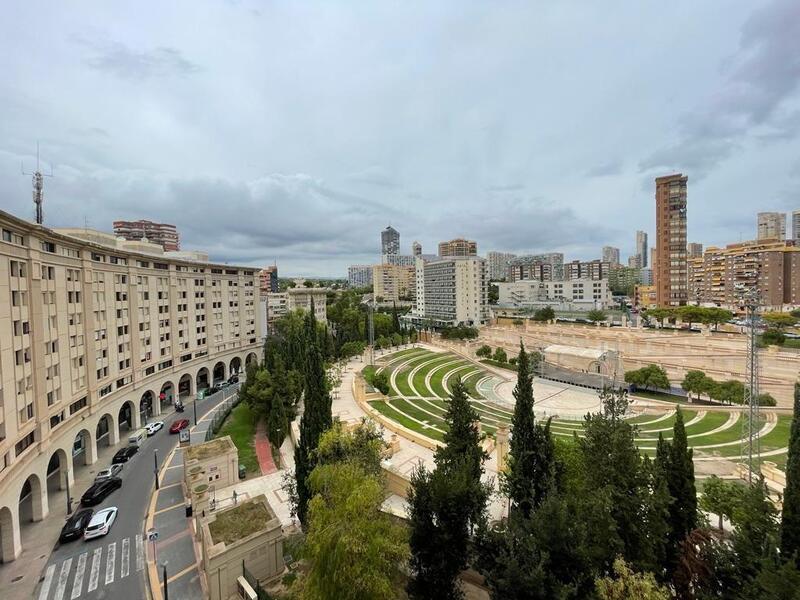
[{"x": 671, "y": 275}]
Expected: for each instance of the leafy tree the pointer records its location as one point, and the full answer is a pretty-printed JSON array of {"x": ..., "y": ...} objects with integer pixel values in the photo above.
[
  {"x": 651, "y": 376},
  {"x": 691, "y": 314},
  {"x": 721, "y": 497},
  {"x": 395, "y": 319},
  {"x": 627, "y": 585},
  {"x": 500, "y": 355},
  {"x": 714, "y": 316},
  {"x": 308, "y": 283},
  {"x": 776, "y": 580},
  {"x": 696, "y": 382},
  {"x": 353, "y": 548},
  {"x": 596, "y": 316},
  {"x": 728, "y": 392},
  {"x": 277, "y": 422},
  {"x": 795, "y": 313},
  {"x": 484, "y": 351},
  {"x": 362, "y": 445},
  {"x": 779, "y": 320},
  {"x": 380, "y": 381},
  {"x": 494, "y": 293},
  {"x": 397, "y": 339},
  {"x": 531, "y": 470},
  {"x": 353, "y": 348},
  {"x": 773, "y": 337},
  {"x": 756, "y": 529},
  {"x": 544, "y": 314},
  {"x": 790, "y": 524},
  {"x": 767, "y": 400},
  {"x": 660, "y": 314}
]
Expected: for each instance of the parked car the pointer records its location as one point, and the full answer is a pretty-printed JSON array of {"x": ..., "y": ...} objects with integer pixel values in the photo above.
[
  {"x": 73, "y": 528},
  {"x": 100, "y": 490},
  {"x": 233, "y": 379},
  {"x": 213, "y": 389},
  {"x": 178, "y": 425},
  {"x": 153, "y": 427},
  {"x": 223, "y": 384},
  {"x": 113, "y": 471},
  {"x": 124, "y": 454},
  {"x": 101, "y": 523}
]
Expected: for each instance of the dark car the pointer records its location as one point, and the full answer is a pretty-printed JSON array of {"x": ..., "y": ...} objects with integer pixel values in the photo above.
[
  {"x": 178, "y": 425},
  {"x": 98, "y": 492},
  {"x": 233, "y": 379},
  {"x": 213, "y": 389},
  {"x": 73, "y": 528},
  {"x": 124, "y": 454}
]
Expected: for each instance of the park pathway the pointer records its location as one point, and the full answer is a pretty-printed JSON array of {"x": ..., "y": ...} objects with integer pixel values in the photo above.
[{"x": 263, "y": 450}]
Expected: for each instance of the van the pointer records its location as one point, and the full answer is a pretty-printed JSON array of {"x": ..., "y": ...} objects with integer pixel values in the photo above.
[{"x": 137, "y": 437}]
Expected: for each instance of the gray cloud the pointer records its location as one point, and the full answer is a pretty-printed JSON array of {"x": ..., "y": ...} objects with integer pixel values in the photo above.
[
  {"x": 118, "y": 59},
  {"x": 762, "y": 74},
  {"x": 613, "y": 167}
]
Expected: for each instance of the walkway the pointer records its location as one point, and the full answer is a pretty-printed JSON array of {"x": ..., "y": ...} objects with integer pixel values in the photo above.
[{"x": 264, "y": 450}]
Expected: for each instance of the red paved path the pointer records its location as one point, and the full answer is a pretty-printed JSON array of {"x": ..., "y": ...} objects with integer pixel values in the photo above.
[{"x": 263, "y": 451}]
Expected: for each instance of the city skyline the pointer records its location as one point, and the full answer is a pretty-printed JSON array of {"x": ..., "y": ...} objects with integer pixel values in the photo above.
[{"x": 273, "y": 175}]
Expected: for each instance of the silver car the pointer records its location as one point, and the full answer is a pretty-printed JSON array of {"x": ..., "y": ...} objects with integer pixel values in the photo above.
[{"x": 112, "y": 471}]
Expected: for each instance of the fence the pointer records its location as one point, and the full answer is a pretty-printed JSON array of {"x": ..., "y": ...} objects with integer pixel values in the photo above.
[{"x": 221, "y": 413}]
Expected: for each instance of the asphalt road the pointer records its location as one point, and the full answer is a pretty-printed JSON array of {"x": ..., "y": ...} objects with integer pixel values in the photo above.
[{"x": 114, "y": 566}]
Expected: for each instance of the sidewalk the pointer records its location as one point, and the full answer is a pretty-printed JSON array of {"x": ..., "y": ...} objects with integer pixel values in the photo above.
[
  {"x": 264, "y": 450},
  {"x": 18, "y": 579}
]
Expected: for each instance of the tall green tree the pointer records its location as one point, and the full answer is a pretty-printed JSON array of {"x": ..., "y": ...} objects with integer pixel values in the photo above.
[
  {"x": 790, "y": 523},
  {"x": 720, "y": 497},
  {"x": 756, "y": 530},
  {"x": 316, "y": 416},
  {"x": 680, "y": 481},
  {"x": 531, "y": 469},
  {"x": 446, "y": 505}
]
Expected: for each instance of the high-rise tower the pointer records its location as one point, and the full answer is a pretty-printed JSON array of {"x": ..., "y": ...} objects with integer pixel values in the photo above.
[
  {"x": 671, "y": 269},
  {"x": 641, "y": 247},
  {"x": 390, "y": 241}
]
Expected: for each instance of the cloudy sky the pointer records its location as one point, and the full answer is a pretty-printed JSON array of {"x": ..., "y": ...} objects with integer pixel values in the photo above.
[{"x": 296, "y": 131}]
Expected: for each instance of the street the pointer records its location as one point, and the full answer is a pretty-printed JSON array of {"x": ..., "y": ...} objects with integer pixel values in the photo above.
[{"x": 114, "y": 565}]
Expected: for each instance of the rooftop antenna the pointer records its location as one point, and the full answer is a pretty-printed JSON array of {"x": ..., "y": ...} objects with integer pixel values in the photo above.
[{"x": 38, "y": 185}]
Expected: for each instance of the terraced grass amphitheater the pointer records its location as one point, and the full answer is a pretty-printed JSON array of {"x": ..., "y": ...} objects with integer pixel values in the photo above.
[{"x": 421, "y": 380}]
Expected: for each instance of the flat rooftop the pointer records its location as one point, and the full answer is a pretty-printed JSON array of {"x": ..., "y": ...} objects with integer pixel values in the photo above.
[
  {"x": 239, "y": 522},
  {"x": 210, "y": 448}
]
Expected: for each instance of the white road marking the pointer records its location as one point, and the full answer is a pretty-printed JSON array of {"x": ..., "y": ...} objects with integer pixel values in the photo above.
[
  {"x": 124, "y": 560},
  {"x": 139, "y": 553},
  {"x": 94, "y": 574},
  {"x": 77, "y": 584},
  {"x": 110, "y": 559},
  {"x": 48, "y": 581},
  {"x": 62, "y": 579}
]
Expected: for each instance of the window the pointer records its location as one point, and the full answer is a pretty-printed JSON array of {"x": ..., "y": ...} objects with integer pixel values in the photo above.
[
  {"x": 12, "y": 238},
  {"x": 25, "y": 442},
  {"x": 78, "y": 405},
  {"x": 48, "y": 247},
  {"x": 18, "y": 269},
  {"x": 105, "y": 391}
]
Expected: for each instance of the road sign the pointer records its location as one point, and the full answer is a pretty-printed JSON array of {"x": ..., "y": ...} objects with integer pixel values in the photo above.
[
  {"x": 184, "y": 436},
  {"x": 152, "y": 535}
]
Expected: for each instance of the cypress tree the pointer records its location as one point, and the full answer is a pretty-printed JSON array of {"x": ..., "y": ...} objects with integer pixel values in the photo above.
[
  {"x": 680, "y": 483},
  {"x": 316, "y": 416},
  {"x": 790, "y": 523},
  {"x": 530, "y": 473},
  {"x": 395, "y": 319}
]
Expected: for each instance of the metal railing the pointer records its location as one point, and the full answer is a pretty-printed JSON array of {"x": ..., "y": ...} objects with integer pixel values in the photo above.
[{"x": 220, "y": 414}]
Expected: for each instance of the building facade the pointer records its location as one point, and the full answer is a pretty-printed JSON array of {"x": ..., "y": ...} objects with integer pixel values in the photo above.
[
  {"x": 392, "y": 283},
  {"x": 91, "y": 334},
  {"x": 694, "y": 250},
  {"x": 671, "y": 269},
  {"x": 644, "y": 297},
  {"x": 622, "y": 280},
  {"x": 359, "y": 276},
  {"x": 416, "y": 249},
  {"x": 611, "y": 255},
  {"x": 453, "y": 291},
  {"x": 771, "y": 226},
  {"x": 591, "y": 269},
  {"x": 796, "y": 226},
  {"x": 302, "y": 297},
  {"x": 268, "y": 280},
  {"x": 163, "y": 234},
  {"x": 458, "y": 247},
  {"x": 519, "y": 268},
  {"x": 390, "y": 241},
  {"x": 401, "y": 260},
  {"x": 771, "y": 266},
  {"x": 569, "y": 295},
  {"x": 641, "y": 248},
  {"x": 497, "y": 264}
]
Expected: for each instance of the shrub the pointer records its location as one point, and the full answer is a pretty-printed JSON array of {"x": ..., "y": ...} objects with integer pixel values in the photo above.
[
  {"x": 544, "y": 314},
  {"x": 380, "y": 381},
  {"x": 651, "y": 376},
  {"x": 596, "y": 316},
  {"x": 766, "y": 400},
  {"x": 500, "y": 355},
  {"x": 484, "y": 351},
  {"x": 773, "y": 337}
]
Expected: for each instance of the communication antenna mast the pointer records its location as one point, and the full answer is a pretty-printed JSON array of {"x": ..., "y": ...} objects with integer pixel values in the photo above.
[
  {"x": 38, "y": 187},
  {"x": 749, "y": 298}
]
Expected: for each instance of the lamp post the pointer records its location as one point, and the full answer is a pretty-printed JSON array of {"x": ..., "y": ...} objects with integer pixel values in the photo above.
[
  {"x": 194, "y": 406},
  {"x": 155, "y": 466},
  {"x": 69, "y": 496}
]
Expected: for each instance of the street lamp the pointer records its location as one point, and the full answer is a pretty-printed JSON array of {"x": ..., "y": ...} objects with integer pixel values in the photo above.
[
  {"x": 155, "y": 466},
  {"x": 194, "y": 406}
]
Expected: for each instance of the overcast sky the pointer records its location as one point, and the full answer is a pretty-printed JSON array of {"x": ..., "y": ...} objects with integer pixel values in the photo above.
[{"x": 295, "y": 132}]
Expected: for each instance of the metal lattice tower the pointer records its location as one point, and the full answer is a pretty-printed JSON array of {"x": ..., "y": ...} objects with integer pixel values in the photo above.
[
  {"x": 751, "y": 421},
  {"x": 38, "y": 188}
]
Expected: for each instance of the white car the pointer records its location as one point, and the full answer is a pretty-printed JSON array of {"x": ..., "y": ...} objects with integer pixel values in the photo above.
[
  {"x": 101, "y": 523},
  {"x": 153, "y": 427},
  {"x": 112, "y": 471}
]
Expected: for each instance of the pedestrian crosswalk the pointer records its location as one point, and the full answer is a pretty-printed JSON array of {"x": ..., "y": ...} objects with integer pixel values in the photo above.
[{"x": 65, "y": 580}]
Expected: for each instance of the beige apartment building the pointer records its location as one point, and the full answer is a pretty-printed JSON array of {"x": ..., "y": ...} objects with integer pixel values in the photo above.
[
  {"x": 95, "y": 334},
  {"x": 392, "y": 283},
  {"x": 670, "y": 269},
  {"x": 458, "y": 247},
  {"x": 772, "y": 266}
]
